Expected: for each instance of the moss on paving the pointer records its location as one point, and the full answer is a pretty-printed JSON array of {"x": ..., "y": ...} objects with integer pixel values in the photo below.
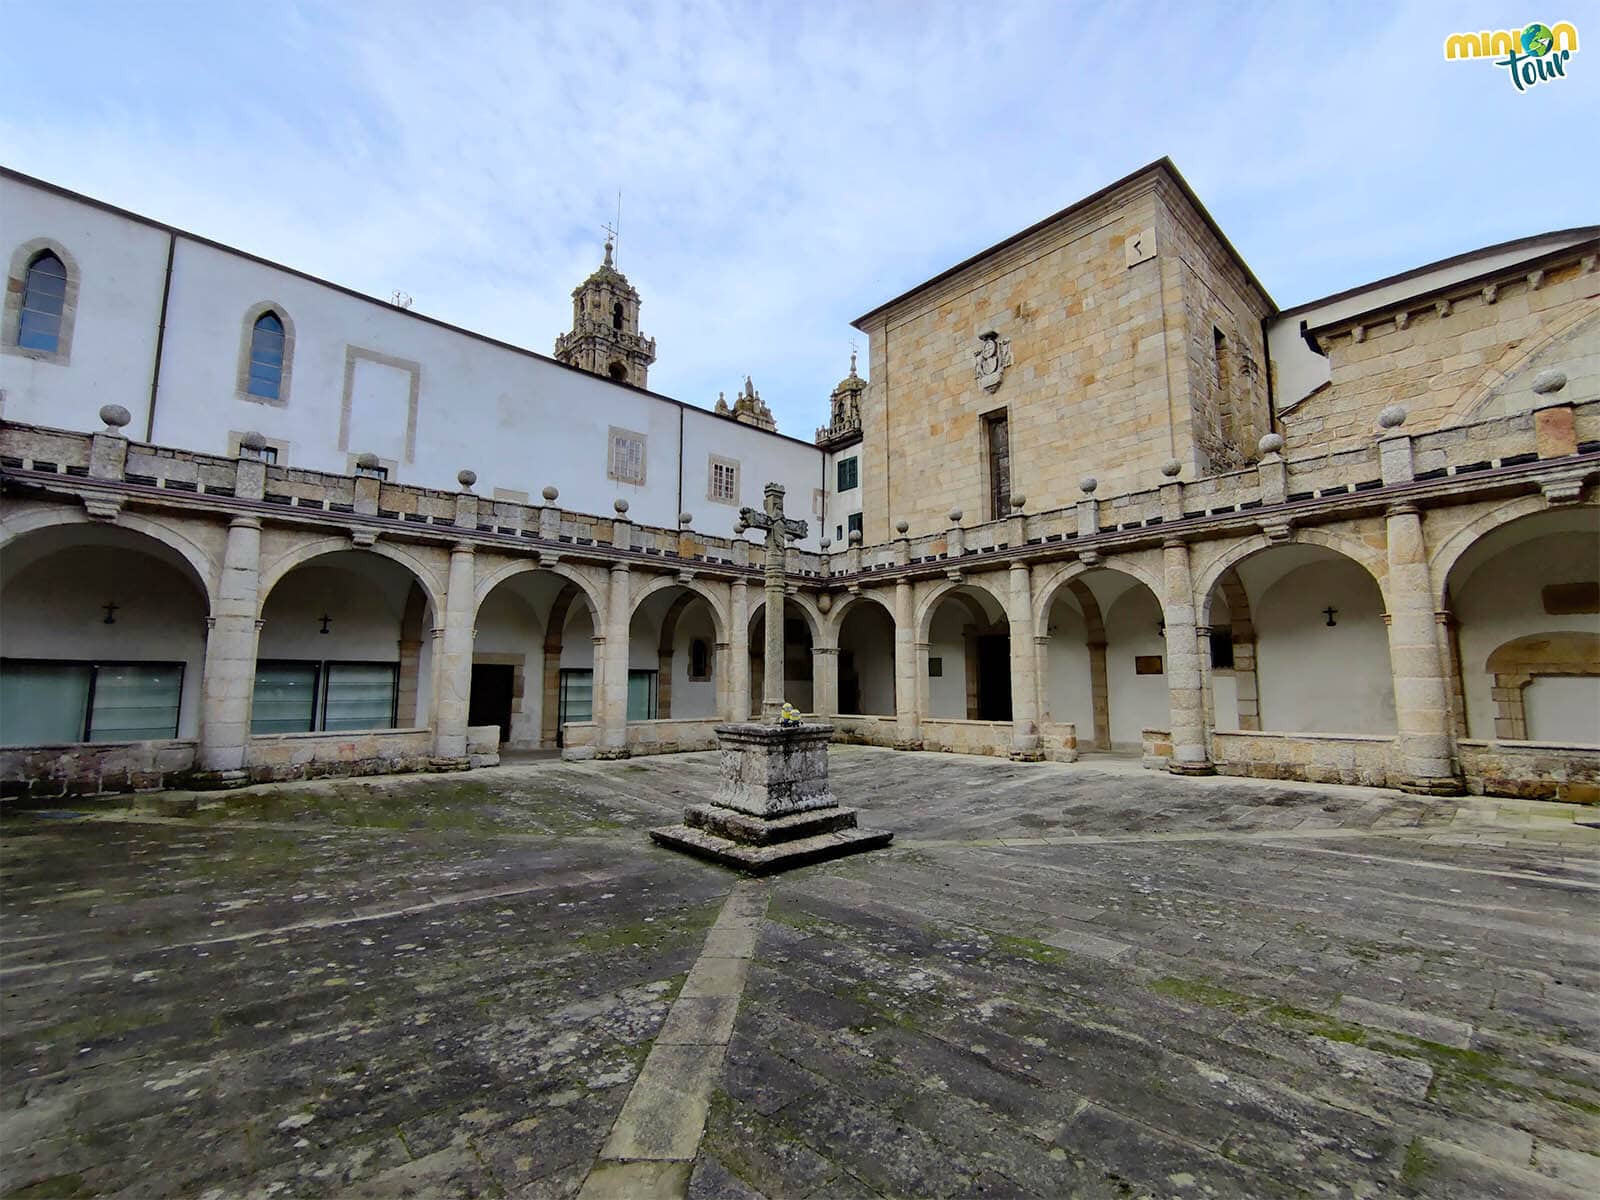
[
  {"x": 57, "y": 1187},
  {"x": 1417, "y": 1165}
]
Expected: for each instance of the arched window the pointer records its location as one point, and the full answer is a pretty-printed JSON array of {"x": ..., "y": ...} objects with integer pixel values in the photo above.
[
  {"x": 44, "y": 299},
  {"x": 616, "y": 315},
  {"x": 266, "y": 357}
]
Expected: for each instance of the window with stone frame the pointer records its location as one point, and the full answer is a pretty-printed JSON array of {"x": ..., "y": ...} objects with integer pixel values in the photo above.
[
  {"x": 997, "y": 455},
  {"x": 699, "y": 660},
  {"x": 41, "y": 301},
  {"x": 722, "y": 480},
  {"x": 849, "y": 473},
  {"x": 625, "y": 462}
]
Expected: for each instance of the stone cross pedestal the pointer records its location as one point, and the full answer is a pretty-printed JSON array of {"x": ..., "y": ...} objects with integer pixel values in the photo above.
[{"x": 773, "y": 808}]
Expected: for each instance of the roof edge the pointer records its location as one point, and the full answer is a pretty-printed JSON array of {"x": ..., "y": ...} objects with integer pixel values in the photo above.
[{"x": 1161, "y": 166}]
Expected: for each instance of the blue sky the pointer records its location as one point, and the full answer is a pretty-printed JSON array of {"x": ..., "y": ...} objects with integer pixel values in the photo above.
[{"x": 784, "y": 167}]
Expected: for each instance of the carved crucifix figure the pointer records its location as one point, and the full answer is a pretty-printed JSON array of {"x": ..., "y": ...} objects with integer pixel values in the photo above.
[{"x": 779, "y": 530}]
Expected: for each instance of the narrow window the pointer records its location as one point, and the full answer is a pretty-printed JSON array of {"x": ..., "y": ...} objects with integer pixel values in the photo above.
[
  {"x": 616, "y": 315},
  {"x": 266, "y": 357},
  {"x": 1222, "y": 649},
  {"x": 849, "y": 473},
  {"x": 44, "y": 299},
  {"x": 699, "y": 660},
  {"x": 1219, "y": 362},
  {"x": 997, "y": 444}
]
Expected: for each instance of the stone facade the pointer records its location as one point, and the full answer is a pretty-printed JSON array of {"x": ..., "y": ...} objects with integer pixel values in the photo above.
[{"x": 1161, "y": 510}]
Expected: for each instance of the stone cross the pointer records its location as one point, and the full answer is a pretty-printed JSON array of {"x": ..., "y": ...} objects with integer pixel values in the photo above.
[{"x": 779, "y": 530}]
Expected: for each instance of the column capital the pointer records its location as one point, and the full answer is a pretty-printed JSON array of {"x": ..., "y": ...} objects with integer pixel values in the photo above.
[
  {"x": 1444, "y": 617},
  {"x": 1041, "y": 639},
  {"x": 1402, "y": 509},
  {"x": 463, "y": 547},
  {"x": 619, "y": 568},
  {"x": 245, "y": 523},
  {"x": 824, "y": 649},
  {"x": 1174, "y": 543},
  {"x": 921, "y": 645}
]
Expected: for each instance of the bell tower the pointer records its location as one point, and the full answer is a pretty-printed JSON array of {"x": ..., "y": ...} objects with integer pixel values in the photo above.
[{"x": 605, "y": 338}]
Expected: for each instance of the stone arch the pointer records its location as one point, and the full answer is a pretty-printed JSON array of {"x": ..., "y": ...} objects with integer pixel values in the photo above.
[
  {"x": 719, "y": 616},
  {"x": 834, "y": 621},
  {"x": 1357, "y": 552},
  {"x": 1515, "y": 664},
  {"x": 272, "y": 575},
  {"x": 1514, "y": 361},
  {"x": 585, "y": 586},
  {"x": 930, "y": 603},
  {"x": 1448, "y": 553},
  {"x": 200, "y": 563},
  {"x": 807, "y": 605},
  {"x": 1242, "y": 637}
]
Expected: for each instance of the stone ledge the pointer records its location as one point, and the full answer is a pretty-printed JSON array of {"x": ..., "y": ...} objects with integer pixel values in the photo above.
[
  {"x": 767, "y": 860},
  {"x": 754, "y": 831}
]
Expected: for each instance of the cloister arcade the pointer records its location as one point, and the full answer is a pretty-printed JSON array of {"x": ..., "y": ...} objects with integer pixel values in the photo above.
[{"x": 269, "y": 651}]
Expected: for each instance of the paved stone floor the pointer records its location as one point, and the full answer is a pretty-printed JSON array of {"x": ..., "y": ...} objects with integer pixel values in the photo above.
[{"x": 1060, "y": 981}]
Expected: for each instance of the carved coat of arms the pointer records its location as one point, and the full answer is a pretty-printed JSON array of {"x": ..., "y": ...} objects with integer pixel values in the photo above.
[{"x": 990, "y": 359}]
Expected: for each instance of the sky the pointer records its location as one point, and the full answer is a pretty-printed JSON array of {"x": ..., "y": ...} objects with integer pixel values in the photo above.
[{"x": 784, "y": 167}]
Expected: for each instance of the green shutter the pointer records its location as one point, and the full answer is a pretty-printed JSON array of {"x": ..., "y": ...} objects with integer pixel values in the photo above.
[
  {"x": 41, "y": 703},
  {"x": 359, "y": 696},
  {"x": 285, "y": 698},
  {"x": 135, "y": 702},
  {"x": 641, "y": 695}
]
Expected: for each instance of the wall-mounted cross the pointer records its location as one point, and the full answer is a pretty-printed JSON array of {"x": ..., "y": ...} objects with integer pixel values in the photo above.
[
  {"x": 324, "y": 619},
  {"x": 1330, "y": 610},
  {"x": 111, "y": 612}
]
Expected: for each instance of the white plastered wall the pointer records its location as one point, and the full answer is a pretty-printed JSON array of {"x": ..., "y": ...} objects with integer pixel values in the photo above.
[
  {"x": 1069, "y": 687},
  {"x": 51, "y": 608},
  {"x": 1501, "y": 598},
  {"x": 947, "y": 694},
  {"x": 1133, "y": 623},
  {"x": 693, "y": 697},
  {"x": 868, "y": 635},
  {"x": 511, "y": 624},
  {"x": 1313, "y": 678}
]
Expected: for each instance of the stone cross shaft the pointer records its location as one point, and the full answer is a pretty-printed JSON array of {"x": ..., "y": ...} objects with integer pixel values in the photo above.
[{"x": 779, "y": 530}]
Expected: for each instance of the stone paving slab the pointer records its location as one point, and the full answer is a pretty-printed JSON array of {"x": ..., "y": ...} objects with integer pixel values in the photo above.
[{"x": 1061, "y": 980}]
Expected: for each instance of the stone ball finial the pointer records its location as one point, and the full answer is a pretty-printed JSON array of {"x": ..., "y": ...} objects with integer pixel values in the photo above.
[
  {"x": 855, "y": 537},
  {"x": 115, "y": 416},
  {"x": 955, "y": 516},
  {"x": 1171, "y": 467},
  {"x": 1270, "y": 443},
  {"x": 466, "y": 478},
  {"x": 1017, "y": 502},
  {"x": 251, "y": 440},
  {"x": 1088, "y": 484},
  {"x": 825, "y": 543},
  {"x": 685, "y": 519},
  {"x": 1393, "y": 417},
  {"x": 1544, "y": 383},
  {"x": 902, "y": 527},
  {"x": 550, "y": 493},
  {"x": 368, "y": 461},
  {"x": 620, "y": 505}
]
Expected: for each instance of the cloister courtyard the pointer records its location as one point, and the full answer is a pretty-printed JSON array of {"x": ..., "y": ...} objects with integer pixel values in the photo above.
[{"x": 1060, "y": 980}]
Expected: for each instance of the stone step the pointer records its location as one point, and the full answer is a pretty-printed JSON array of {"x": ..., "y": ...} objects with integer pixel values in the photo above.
[
  {"x": 767, "y": 860},
  {"x": 762, "y": 831}
]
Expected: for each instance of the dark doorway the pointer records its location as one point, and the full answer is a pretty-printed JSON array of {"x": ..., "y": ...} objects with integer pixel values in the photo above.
[
  {"x": 490, "y": 701},
  {"x": 994, "y": 677}
]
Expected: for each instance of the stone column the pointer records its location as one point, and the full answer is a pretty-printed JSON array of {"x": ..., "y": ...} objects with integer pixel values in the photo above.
[
  {"x": 825, "y": 680},
  {"x": 1184, "y": 682},
  {"x": 907, "y": 689},
  {"x": 1024, "y": 676},
  {"x": 452, "y": 658},
  {"x": 229, "y": 678},
  {"x": 1421, "y": 694},
  {"x": 772, "y": 652},
  {"x": 737, "y": 661},
  {"x": 1099, "y": 693},
  {"x": 612, "y": 688}
]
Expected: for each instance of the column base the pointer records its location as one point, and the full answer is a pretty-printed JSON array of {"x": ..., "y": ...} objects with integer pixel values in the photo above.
[
  {"x": 217, "y": 781},
  {"x": 1174, "y": 767},
  {"x": 1026, "y": 756},
  {"x": 912, "y": 744},
  {"x": 611, "y": 752},
  {"x": 450, "y": 762},
  {"x": 1443, "y": 785}
]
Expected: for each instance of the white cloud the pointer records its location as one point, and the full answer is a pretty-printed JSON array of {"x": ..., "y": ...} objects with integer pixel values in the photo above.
[{"x": 784, "y": 168}]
